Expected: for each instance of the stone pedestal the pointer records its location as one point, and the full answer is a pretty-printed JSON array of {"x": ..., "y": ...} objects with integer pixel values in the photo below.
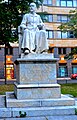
[
  {"x": 36, "y": 86},
  {"x": 36, "y": 77}
]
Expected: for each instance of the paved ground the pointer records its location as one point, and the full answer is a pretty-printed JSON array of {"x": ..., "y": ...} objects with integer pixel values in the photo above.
[
  {"x": 67, "y": 117},
  {"x": 59, "y": 80}
]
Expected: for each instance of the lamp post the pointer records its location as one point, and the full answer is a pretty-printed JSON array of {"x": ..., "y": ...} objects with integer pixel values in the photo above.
[{"x": 5, "y": 64}]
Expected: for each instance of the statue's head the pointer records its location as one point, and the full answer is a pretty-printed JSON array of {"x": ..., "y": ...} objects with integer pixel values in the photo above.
[{"x": 32, "y": 7}]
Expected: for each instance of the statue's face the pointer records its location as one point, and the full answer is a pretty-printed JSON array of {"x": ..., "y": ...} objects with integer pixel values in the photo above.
[{"x": 32, "y": 7}]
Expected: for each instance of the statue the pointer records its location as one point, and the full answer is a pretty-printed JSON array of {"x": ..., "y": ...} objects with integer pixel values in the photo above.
[{"x": 33, "y": 37}]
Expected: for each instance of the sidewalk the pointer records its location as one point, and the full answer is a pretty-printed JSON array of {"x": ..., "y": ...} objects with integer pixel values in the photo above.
[
  {"x": 59, "y": 80},
  {"x": 2, "y": 81},
  {"x": 66, "y": 80}
]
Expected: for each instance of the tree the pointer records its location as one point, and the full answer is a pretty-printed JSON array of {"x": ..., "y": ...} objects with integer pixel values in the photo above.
[
  {"x": 11, "y": 13},
  {"x": 71, "y": 25}
]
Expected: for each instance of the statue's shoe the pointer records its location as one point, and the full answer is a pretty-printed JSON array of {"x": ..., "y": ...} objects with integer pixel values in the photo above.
[{"x": 26, "y": 52}]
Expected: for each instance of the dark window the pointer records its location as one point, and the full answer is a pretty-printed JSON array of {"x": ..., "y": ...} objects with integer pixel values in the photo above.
[
  {"x": 72, "y": 49},
  {"x": 61, "y": 50},
  {"x": 9, "y": 51},
  {"x": 71, "y": 34},
  {"x": 64, "y": 50}
]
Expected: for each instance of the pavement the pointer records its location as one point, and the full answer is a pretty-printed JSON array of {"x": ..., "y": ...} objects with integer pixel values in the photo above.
[
  {"x": 3, "y": 111},
  {"x": 59, "y": 80},
  {"x": 59, "y": 117}
]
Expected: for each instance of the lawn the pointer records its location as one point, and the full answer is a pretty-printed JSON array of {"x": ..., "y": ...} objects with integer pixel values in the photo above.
[
  {"x": 69, "y": 89},
  {"x": 65, "y": 89},
  {"x": 5, "y": 88}
]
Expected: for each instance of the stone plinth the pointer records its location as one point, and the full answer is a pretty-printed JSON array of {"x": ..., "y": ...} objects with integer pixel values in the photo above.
[
  {"x": 36, "y": 77},
  {"x": 36, "y": 69},
  {"x": 37, "y": 91}
]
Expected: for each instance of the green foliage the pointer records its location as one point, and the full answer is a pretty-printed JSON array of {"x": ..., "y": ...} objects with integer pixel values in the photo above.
[
  {"x": 11, "y": 13},
  {"x": 22, "y": 114},
  {"x": 70, "y": 55},
  {"x": 71, "y": 25},
  {"x": 75, "y": 111},
  {"x": 69, "y": 89}
]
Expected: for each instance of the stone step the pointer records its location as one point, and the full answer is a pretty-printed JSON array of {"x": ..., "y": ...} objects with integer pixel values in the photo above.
[
  {"x": 37, "y": 111},
  {"x": 68, "y": 117},
  {"x": 11, "y": 101},
  {"x": 2, "y": 101},
  {"x": 5, "y": 112},
  {"x": 44, "y": 111}
]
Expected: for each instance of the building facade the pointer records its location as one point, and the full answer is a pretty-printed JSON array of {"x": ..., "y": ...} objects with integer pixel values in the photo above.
[
  {"x": 56, "y": 12},
  {"x": 60, "y": 43}
]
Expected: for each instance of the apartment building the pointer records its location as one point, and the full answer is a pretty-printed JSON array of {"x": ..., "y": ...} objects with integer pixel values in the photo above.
[{"x": 60, "y": 43}]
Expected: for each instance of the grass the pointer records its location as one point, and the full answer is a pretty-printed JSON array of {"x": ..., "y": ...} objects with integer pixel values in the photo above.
[
  {"x": 65, "y": 89},
  {"x": 69, "y": 89},
  {"x": 5, "y": 88}
]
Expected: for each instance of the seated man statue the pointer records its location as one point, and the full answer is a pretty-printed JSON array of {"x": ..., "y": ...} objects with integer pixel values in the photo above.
[{"x": 34, "y": 39}]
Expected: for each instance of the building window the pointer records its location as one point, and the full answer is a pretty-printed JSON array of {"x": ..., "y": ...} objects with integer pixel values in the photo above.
[
  {"x": 63, "y": 71},
  {"x": 74, "y": 69},
  {"x": 75, "y": 3},
  {"x": 70, "y": 3},
  {"x": 61, "y": 51},
  {"x": 58, "y": 34},
  {"x": 49, "y": 18},
  {"x": 63, "y": 3},
  {"x": 47, "y": 2},
  {"x": 64, "y": 35},
  {"x": 61, "y": 35},
  {"x": 50, "y": 34},
  {"x": 62, "y": 18},
  {"x": 9, "y": 51},
  {"x": 66, "y": 3},
  {"x": 71, "y": 34},
  {"x": 72, "y": 49}
]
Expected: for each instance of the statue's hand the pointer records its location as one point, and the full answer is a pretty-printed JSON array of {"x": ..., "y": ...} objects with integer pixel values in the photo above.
[
  {"x": 40, "y": 27},
  {"x": 23, "y": 26}
]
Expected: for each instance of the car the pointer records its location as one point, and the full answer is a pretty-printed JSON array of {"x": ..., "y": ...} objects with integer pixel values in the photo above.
[{"x": 74, "y": 76}]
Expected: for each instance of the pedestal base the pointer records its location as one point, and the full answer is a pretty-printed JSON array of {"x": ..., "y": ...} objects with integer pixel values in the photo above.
[
  {"x": 37, "y": 91},
  {"x": 13, "y": 102}
]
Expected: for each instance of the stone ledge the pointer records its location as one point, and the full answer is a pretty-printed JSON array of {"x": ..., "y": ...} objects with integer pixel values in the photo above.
[
  {"x": 67, "y": 117},
  {"x": 22, "y": 86},
  {"x": 37, "y": 57},
  {"x": 37, "y": 91},
  {"x": 44, "y": 111},
  {"x": 5, "y": 112},
  {"x": 63, "y": 101}
]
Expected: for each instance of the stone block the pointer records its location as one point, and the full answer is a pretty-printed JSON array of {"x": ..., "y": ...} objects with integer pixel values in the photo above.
[
  {"x": 36, "y": 68},
  {"x": 13, "y": 102},
  {"x": 28, "y": 118},
  {"x": 44, "y": 111},
  {"x": 37, "y": 91},
  {"x": 5, "y": 112}
]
